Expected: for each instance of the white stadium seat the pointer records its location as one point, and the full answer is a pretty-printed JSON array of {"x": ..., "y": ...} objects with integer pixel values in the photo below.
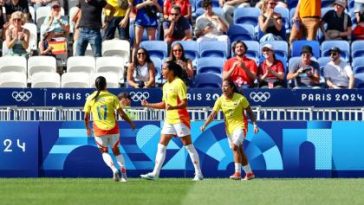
[
  {"x": 46, "y": 80},
  {"x": 75, "y": 80},
  {"x": 113, "y": 64},
  {"x": 116, "y": 47},
  {"x": 84, "y": 64},
  {"x": 13, "y": 64},
  {"x": 13, "y": 80},
  {"x": 41, "y": 64}
]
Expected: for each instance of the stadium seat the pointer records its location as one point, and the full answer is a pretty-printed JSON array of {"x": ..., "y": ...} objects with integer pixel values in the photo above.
[
  {"x": 253, "y": 51},
  {"x": 158, "y": 68},
  {"x": 111, "y": 64},
  {"x": 208, "y": 80},
  {"x": 359, "y": 80},
  {"x": 84, "y": 64},
  {"x": 75, "y": 80},
  {"x": 241, "y": 32},
  {"x": 297, "y": 46},
  {"x": 13, "y": 80},
  {"x": 32, "y": 12},
  {"x": 190, "y": 48},
  {"x": 326, "y": 3},
  {"x": 358, "y": 65},
  {"x": 38, "y": 64},
  {"x": 213, "y": 49},
  {"x": 46, "y": 80},
  {"x": 280, "y": 48},
  {"x": 157, "y": 49},
  {"x": 342, "y": 44},
  {"x": 357, "y": 48},
  {"x": 13, "y": 64},
  {"x": 246, "y": 15},
  {"x": 210, "y": 65},
  {"x": 33, "y": 39},
  {"x": 322, "y": 61},
  {"x": 116, "y": 47},
  {"x": 292, "y": 3},
  {"x": 285, "y": 16},
  {"x": 111, "y": 79},
  {"x": 292, "y": 61},
  {"x": 291, "y": 14}
]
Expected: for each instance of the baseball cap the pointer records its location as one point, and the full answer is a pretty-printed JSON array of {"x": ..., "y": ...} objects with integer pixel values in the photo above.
[
  {"x": 55, "y": 3},
  {"x": 335, "y": 49},
  {"x": 306, "y": 49},
  {"x": 269, "y": 46},
  {"x": 341, "y": 3}
]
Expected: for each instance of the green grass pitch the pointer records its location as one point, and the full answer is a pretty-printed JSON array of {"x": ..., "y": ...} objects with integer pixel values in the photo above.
[{"x": 172, "y": 191}]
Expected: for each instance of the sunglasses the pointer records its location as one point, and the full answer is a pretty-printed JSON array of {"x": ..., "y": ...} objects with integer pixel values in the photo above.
[
  {"x": 139, "y": 54},
  {"x": 177, "y": 50},
  {"x": 16, "y": 19},
  {"x": 174, "y": 14},
  {"x": 272, "y": 3}
]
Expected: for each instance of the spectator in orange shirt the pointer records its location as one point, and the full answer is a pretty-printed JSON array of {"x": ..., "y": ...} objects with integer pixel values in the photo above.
[
  {"x": 306, "y": 20},
  {"x": 242, "y": 70}
]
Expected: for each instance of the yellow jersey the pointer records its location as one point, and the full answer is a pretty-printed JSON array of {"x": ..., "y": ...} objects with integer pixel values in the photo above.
[
  {"x": 119, "y": 12},
  {"x": 173, "y": 93},
  {"x": 103, "y": 112},
  {"x": 233, "y": 110}
]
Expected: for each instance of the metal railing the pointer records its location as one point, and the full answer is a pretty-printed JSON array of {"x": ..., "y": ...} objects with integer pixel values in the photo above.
[{"x": 197, "y": 113}]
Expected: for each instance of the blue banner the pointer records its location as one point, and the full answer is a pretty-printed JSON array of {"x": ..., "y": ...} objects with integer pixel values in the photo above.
[
  {"x": 196, "y": 97},
  {"x": 19, "y": 149}
]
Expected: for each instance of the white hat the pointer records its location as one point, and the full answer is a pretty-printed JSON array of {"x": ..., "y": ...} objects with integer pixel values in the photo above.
[
  {"x": 269, "y": 46},
  {"x": 341, "y": 3}
]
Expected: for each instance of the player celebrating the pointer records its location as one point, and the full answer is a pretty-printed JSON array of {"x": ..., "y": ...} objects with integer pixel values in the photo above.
[
  {"x": 233, "y": 106},
  {"x": 103, "y": 104},
  {"x": 177, "y": 122}
]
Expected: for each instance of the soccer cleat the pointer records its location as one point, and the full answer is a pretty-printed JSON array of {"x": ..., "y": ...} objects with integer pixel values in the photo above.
[
  {"x": 123, "y": 178},
  {"x": 198, "y": 177},
  {"x": 148, "y": 176},
  {"x": 236, "y": 176},
  {"x": 249, "y": 176},
  {"x": 116, "y": 176}
]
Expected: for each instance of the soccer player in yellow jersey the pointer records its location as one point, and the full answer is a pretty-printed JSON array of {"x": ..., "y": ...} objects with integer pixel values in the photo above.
[
  {"x": 177, "y": 120},
  {"x": 102, "y": 105},
  {"x": 233, "y": 106}
]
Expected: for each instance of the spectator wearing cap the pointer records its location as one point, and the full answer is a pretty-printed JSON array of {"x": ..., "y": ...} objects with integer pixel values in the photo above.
[
  {"x": 176, "y": 27},
  {"x": 338, "y": 74},
  {"x": 89, "y": 27},
  {"x": 210, "y": 26},
  {"x": 305, "y": 73},
  {"x": 240, "y": 69},
  {"x": 270, "y": 23},
  {"x": 338, "y": 23},
  {"x": 271, "y": 70},
  {"x": 228, "y": 7},
  {"x": 44, "y": 48},
  {"x": 306, "y": 20},
  {"x": 117, "y": 18},
  {"x": 358, "y": 32},
  {"x": 17, "y": 37},
  {"x": 56, "y": 22},
  {"x": 358, "y": 7}
]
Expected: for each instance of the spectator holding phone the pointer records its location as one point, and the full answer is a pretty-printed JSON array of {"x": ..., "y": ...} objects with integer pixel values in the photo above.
[{"x": 305, "y": 73}]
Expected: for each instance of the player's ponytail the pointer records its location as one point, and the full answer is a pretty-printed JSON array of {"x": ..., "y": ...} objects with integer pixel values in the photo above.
[{"x": 100, "y": 84}]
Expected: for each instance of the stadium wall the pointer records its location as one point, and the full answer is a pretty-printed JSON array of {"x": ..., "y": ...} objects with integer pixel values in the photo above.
[{"x": 280, "y": 149}]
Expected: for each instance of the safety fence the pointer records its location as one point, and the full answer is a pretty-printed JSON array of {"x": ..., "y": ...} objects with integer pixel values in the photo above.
[{"x": 197, "y": 113}]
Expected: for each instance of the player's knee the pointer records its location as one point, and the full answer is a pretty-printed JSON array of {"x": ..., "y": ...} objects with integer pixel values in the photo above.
[
  {"x": 235, "y": 147},
  {"x": 116, "y": 151},
  {"x": 103, "y": 149}
]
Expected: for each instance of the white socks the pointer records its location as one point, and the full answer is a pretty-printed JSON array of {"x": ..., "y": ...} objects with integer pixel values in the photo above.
[
  {"x": 247, "y": 169},
  {"x": 120, "y": 161},
  {"x": 159, "y": 159},
  {"x": 108, "y": 161},
  {"x": 237, "y": 167},
  {"x": 194, "y": 158}
]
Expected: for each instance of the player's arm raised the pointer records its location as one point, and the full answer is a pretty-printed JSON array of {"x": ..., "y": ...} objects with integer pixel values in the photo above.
[{"x": 209, "y": 119}]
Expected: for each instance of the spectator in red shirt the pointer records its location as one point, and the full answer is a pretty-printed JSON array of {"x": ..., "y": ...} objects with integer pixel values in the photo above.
[
  {"x": 242, "y": 70},
  {"x": 183, "y": 4},
  {"x": 358, "y": 32},
  {"x": 270, "y": 71}
]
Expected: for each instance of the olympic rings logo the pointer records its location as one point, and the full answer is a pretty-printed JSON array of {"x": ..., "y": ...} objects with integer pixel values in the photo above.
[
  {"x": 259, "y": 96},
  {"x": 21, "y": 96},
  {"x": 139, "y": 96}
]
